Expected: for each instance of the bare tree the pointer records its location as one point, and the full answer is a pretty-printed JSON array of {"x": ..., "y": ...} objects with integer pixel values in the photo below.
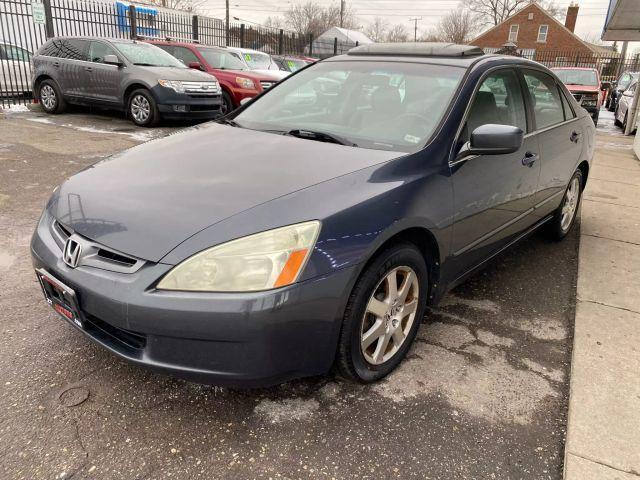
[
  {"x": 274, "y": 22},
  {"x": 397, "y": 33},
  {"x": 186, "y": 5},
  {"x": 377, "y": 30},
  {"x": 311, "y": 17},
  {"x": 458, "y": 26},
  {"x": 493, "y": 12}
]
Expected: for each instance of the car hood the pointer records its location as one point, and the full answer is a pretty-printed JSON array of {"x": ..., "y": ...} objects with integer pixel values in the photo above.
[
  {"x": 272, "y": 74},
  {"x": 147, "y": 200},
  {"x": 185, "y": 74},
  {"x": 583, "y": 89}
]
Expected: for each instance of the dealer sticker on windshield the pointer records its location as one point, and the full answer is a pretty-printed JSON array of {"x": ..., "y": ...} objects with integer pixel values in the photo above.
[{"x": 411, "y": 138}]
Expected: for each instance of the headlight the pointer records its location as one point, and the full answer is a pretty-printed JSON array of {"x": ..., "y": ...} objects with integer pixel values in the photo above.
[
  {"x": 175, "y": 85},
  {"x": 266, "y": 260},
  {"x": 245, "y": 83}
]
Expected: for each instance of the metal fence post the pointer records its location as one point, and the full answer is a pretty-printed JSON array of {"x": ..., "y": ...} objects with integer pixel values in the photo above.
[
  {"x": 133, "y": 23},
  {"x": 310, "y": 44},
  {"x": 194, "y": 28},
  {"x": 281, "y": 42},
  {"x": 242, "y": 35},
  {"x": 335, "y": 45},
  {"x": 48, "y": 19}
]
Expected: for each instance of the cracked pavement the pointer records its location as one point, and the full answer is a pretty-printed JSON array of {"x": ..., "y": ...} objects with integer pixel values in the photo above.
[{"x": 483, "y": 393}]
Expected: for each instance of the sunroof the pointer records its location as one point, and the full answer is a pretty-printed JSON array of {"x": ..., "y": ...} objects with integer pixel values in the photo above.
[{"x": 418, "y": 49}]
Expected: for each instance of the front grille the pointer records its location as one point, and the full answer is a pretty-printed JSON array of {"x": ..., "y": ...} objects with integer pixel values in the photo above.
[
  {"x": 267, "y": 85},
  {"x": 116, "y": 257},
  {"x": 202, "y": 89},
  {"x": 117, "y": 337}
]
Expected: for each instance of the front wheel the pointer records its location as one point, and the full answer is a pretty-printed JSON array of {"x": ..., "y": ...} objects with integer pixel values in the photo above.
[
  {"x": 142, "y": 108},
  {"x": 227, "y": 103},
  {"x": 565, "y": 216},
  {"x": 383, "y": 314},
  {"x": 51, "y": 98}
]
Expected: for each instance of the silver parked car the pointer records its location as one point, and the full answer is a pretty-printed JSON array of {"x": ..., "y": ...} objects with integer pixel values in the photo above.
[
  {"x": 15, "y": 71},
  {"x": 624, "y": 102},
  {"x": 139, "y": 78}
]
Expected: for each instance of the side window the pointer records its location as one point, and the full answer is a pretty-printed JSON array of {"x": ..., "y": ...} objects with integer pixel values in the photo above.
[
  {"x": 98, "y": 50},
  {"x": 185, "y": 55},
  {"x": 3, "y": 55},
  {"x": 624, "y": 81},
  {"x": 499, "y": 100},
  {"x": 73, "y": 49},
  {"x": 16, "y": 53},
  {"x": 51, "y": 48},
  {"x": 568, "y": 111},
  {"x": 545, "y": 98}
]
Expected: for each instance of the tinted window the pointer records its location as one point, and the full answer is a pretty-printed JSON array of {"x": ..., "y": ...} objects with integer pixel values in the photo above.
[
  {"x": 624, "y": 81},
  {"x": 568, "y": 111},
  {"x": 73, "y": 49},
  {"x": 51, "y": 48},
  {"x": 374, "y": 104},
  {"x": 98, "y": 50},
  {"x": 185, "y": 55},
  {"x": 498, "y": 100},
  {"x": 545, "y": 98}
]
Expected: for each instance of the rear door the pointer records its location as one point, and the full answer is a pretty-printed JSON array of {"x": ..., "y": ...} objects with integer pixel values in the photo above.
[
  {"x": 559, "y": 134},
  {"x": 493, "y": 194},
  {"x": 104, "y": 79},
  {"x": 72, "y": 66}
]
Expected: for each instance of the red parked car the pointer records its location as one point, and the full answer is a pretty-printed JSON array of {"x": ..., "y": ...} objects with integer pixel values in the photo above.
[
  {"x": 236, "y": 81},
  {"x": 584, "y": 84}
]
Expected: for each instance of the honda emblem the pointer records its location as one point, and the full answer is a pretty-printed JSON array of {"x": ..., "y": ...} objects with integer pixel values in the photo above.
[{"x": 71, "y": 253}]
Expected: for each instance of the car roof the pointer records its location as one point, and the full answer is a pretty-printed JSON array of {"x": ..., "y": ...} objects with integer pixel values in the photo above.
[
  {"x": 574, "y": 68},
  {"x": 417, "y": 49}
]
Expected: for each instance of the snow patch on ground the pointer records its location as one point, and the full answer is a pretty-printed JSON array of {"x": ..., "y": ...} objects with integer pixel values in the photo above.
[
  {"x": 288, "y": 409},
  {"x": 18, "y": 108},
  {"x": 141, "y": 136}
]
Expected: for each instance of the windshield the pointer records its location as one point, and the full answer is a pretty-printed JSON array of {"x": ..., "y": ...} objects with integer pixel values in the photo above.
[
  {"x": 221, "y": 59},
  {"x": 294, "y": 64},
  {"x": 379, "y": 105},
  {"x": 257, "y": 61},
  {"x": 577, "y": 77},
  {"x": 145, "y": 54}
]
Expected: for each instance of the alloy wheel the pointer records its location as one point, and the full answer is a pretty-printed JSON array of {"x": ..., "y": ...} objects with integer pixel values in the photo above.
[
  {"x": 48, "y": 97},
  {"x": 570, "y": 204},
  {"x": 389, "y": 315},
  {"x": 140, "y": 108}
]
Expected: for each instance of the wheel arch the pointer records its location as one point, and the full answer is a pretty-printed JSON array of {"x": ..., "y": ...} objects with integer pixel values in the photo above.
[
  {"x": 584, "y": 168},
  {"x": 129, "y": 90},
  {"x": 38, "y": 81}
]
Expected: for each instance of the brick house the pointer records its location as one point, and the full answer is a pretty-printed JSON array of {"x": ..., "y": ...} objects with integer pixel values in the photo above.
[{"x": 538, "y": 34}]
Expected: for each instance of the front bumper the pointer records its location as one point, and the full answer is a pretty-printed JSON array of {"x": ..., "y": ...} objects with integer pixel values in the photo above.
[
  {"x": 173, "y": 105},
  {"x": 230, "y": 339}
]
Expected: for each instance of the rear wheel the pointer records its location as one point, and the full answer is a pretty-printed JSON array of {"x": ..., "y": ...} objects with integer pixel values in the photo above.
[
  {"x": 383, "y": 314},
  {"x": 51, "y": 98},
  {"x": 565, "y": 215},
  {"x": 624, "y": 122},
  {"x": 143, "y": 110}
]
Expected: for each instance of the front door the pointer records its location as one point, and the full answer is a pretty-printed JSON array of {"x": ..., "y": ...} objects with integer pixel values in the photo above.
[
  {"x": 104, "y": 79},
  {"x": 493, "y": 194}
]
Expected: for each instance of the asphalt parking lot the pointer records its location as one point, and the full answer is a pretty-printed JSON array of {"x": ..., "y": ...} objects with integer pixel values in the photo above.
[{"x": 483, "y": 393}]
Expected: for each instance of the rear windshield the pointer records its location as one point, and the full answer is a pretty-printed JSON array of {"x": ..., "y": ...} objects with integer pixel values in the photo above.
[
  {"x": 147, "y": 55},
  {"x": 577, "y": 77},
  {"x": 221, "y": 59},
  {"x": 378, "y": 105}
]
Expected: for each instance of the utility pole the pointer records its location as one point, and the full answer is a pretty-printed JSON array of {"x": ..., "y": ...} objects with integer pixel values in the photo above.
[
  {"x": 226, "y": 24},
  {"x": 342, "y": 5},
  {"x": 415, "y": 27}
]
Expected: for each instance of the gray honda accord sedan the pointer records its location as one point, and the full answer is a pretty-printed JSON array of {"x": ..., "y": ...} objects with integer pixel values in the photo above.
[{"x": 311, "y": 227}]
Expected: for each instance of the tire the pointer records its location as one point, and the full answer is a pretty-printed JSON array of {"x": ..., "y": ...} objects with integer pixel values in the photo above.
[
  {"x": 142, "y": 108},
  {"x": 595, "y": 120},
  {"x": 560, "y": 226},
  {"x": 612, "y": 105},
  {"x": 392, "y": 337},
  {"x": 616, "y": 122},
  {"x": 607, "y": 103},
  {"x": 51, "y": 98},
  {"x": 227, "y": 104},
  {"x": 624, "y": 122}
]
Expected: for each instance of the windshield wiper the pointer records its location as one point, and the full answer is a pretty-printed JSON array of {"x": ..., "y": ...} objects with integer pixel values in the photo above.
[
  {"x": 320, "y": 137},
  {"x": 228, "y": 121},
  {"x": 147, "y": 65}
]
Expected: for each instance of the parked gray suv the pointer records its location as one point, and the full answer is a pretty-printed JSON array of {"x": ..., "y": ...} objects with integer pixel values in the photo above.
[{"x": 137, "y": 77}]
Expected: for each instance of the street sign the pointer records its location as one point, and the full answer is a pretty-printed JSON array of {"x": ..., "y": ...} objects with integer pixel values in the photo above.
[{"x": 37, "y": 10}]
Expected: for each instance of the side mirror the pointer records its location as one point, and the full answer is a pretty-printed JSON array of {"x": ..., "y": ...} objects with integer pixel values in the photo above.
[
  {"x": 195, "y": 65},
  {"x": 111, "y": 60},
  {"x": 492, "y": 139}
]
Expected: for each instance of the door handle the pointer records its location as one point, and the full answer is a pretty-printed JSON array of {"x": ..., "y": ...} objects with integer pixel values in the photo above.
[
  {"x": 88, "y": 69},
  {"x": 56, "y": 64},
  {"x": 529, "y": 159},
  {"x": 575, "y": 136}
]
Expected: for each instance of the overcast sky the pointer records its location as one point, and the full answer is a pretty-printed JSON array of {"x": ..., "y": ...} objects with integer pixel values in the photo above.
[{"x": 590, "y": 18}]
